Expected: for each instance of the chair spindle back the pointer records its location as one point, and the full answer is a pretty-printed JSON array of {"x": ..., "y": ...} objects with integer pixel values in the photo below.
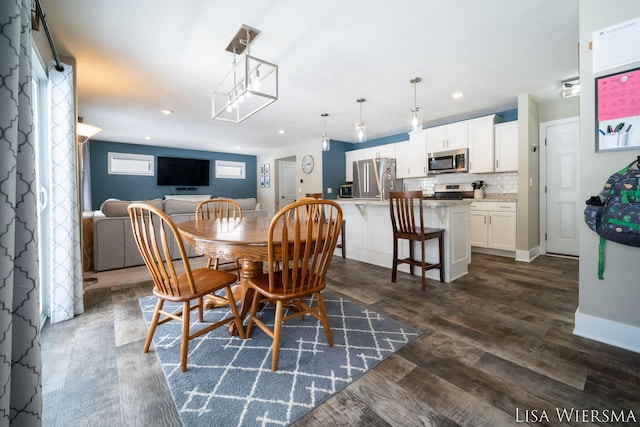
[
  {"x": 402, "y": 206},
  {"x": 218, "y": 208},
  {"x": 151, "y": 229},
  {"x": 311, "y": 228}
]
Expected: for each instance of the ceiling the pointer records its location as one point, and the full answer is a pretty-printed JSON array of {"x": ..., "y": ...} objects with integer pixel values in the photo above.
[{"x": 135, "y": 58}]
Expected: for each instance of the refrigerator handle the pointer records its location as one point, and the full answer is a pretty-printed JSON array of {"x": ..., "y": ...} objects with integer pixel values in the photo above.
[{"x": 366, "y": 177}]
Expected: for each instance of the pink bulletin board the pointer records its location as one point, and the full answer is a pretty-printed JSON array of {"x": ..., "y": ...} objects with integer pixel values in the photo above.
[{"x": 618, "y": 111}]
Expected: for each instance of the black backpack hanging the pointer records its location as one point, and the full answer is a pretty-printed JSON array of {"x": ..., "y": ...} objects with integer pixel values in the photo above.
[{"x": 615, "y": 213}]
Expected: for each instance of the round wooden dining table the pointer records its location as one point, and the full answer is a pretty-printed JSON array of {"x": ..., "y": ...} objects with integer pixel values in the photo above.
[{"x": 230, "y": 239}]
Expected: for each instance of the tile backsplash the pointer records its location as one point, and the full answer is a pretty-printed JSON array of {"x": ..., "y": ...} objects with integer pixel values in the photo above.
[{"x": 497, "y": 183}]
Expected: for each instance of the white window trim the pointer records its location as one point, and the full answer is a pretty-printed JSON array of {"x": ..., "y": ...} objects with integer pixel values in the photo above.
[
  {"x": 231, "y": 170},
  {"x": 131, "y": 164}
]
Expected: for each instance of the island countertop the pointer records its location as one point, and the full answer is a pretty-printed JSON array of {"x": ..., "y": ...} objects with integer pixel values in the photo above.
[
  {"x": 369, "y": 233},
  {"x": 427, "y": 203}
]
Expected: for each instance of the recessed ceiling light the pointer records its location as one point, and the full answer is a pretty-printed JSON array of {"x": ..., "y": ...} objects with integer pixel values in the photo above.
[
  {"x": 282, "y": 131},
  {"x": 167, "y": 112},
  {"x": 457, "y": 95},
  {"x": 147, "y": 138}
]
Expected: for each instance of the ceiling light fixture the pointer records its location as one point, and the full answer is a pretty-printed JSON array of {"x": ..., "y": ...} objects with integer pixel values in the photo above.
[
  {"x": 250, "y": 86},
  {"x": 361, "y": 127},
  {"x": 167, "y": 112},
  {"x": 326, "y": 141},
  {"x": 570, "y": 88},
  {"x": 457, "y": 95},
  {"x": 415, "y": 118}
]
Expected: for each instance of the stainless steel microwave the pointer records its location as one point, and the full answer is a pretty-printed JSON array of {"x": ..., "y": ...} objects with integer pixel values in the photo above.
[
  {"x": 346, "y": 191},
  {"x": 448, "y": 161}
]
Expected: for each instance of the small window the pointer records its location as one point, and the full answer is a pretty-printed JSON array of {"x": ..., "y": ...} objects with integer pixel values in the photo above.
[
  {"x": 131, "y": 164},
  {"x": 230, "y": 170}
]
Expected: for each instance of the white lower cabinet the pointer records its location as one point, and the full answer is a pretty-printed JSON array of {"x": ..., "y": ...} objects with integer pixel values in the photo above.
[
  {"x": 479, "y": 226},
  {"x": 493, "y": 225}
]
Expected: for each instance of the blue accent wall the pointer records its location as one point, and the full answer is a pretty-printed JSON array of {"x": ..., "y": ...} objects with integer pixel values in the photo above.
[
  {"x": 131, "y": 187},
  {"x": 509, "y": 115},
  {"x": 404, "y": 136},
  {"x": 333, "y": 168}
]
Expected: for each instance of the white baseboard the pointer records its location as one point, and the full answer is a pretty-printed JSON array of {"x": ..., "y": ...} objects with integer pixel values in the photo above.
[
  {"x": 528, "y": 256},
  {"x": 497, "y": 252},
  {"x": 607, "y": 331}
]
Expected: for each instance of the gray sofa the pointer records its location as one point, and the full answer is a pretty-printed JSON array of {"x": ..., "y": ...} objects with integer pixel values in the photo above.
[{"x": 113, "y": 243}]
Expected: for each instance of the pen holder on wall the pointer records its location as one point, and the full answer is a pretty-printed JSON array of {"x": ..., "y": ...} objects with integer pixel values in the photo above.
[{"x": 611, "y": 140}]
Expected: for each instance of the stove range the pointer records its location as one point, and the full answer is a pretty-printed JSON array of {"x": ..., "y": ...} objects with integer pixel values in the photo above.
[{"x": 451, "y": 192}]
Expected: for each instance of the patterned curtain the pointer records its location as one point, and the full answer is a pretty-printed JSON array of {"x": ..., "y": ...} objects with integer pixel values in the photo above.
[
  {"x": 65, "y": 295},
  {"x": 20, "y": 363}
]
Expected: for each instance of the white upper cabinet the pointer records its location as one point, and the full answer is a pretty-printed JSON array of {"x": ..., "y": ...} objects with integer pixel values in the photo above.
[
  {"x": 386, "y": 150},
  {"x": 447, "y": 137},
  {"x": 350, "y": 156},
  {"x": 411, "y": 156},
  {"x": 506, "y": 147},
  {"x": 481, "y": 146}
]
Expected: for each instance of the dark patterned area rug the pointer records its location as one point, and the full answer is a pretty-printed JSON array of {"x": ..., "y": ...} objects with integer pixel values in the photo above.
[{"x": 229, "y": 381}]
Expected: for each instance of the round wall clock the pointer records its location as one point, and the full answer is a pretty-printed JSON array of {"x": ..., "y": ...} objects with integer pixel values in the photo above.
[{"x": 307, "y": 163}]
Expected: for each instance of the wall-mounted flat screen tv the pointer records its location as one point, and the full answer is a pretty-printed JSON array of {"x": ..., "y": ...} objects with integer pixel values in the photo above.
[{"x": 185, "y": 172}]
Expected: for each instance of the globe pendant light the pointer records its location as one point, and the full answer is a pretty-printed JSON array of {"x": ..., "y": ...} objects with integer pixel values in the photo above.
[
  {"x": 361, "y": 127},
  {"x": 326, "y": 141},
  {"x": 415, "y": 117}
]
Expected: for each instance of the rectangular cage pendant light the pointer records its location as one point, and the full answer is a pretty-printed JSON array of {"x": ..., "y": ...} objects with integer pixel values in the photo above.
[{"x": 250, "y": 86}]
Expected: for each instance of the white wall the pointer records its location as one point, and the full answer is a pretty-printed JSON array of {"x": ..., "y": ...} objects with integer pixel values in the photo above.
[
  {"x": 608, "y": 309},
  {"x": 311, "y": 183},
  {"x": 559, "y": 108}
]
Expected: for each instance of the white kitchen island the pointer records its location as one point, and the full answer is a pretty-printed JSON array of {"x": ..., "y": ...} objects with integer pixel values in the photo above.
[{"x": 369, "y": 235}]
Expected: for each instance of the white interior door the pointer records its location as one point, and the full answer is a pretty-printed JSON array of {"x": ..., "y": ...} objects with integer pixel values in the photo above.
[
  {"x": 563, "y": 207},
  {"x": 286, "y": 183}
]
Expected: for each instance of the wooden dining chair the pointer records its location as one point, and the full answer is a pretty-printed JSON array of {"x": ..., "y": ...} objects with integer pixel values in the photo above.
[
  {"x": 403, "y": 205},
  {"x": 226, "y": 209},
  {"x": 341, "y": 244},
  {"x": 311, "y": 228},
  {"x": 151, "y": 230}
]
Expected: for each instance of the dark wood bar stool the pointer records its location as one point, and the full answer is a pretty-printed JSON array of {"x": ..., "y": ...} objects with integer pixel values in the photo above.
[
  {"x": 344, "y": 222},
  {"x": 402, "y": 206}
]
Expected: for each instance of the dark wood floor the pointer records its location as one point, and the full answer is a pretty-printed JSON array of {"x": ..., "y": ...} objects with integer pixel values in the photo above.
[{"x": 497, "y": 349}]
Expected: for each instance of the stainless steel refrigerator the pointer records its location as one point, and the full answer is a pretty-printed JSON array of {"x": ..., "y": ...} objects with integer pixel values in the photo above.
[{"x": 374, "y": 178}]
